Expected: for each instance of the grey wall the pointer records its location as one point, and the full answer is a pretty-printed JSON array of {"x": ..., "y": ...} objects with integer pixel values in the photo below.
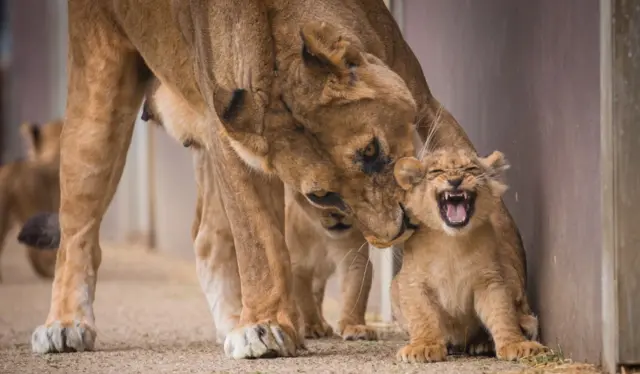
[
  {"x": 523, "y": 77},
  {"x": 35, "y": 84}
]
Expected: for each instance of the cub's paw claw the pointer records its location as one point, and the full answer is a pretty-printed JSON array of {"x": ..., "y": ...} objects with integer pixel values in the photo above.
[
  {"x": 359, "y": 332},
  {"x": 318, "y": 330},
  {"x": 422, "y": 353},
  {"x": 264, "y": 340},
  {"x": 515, "y": 351},
  {"x": 63, "y": 337},
  {"x": 481, "y": 349}
]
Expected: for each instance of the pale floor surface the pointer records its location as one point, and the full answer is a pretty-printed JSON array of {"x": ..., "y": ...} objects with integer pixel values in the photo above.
[{"x": 152, "y": 318}]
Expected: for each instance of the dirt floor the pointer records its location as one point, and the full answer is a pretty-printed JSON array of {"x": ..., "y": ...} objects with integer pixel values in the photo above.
[{"x": 152, "y": 318}]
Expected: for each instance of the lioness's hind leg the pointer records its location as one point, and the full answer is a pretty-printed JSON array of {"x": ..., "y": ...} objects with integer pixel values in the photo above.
[
  {"x": 216, "y": 262},
  {"x": 105, "y": 91}
]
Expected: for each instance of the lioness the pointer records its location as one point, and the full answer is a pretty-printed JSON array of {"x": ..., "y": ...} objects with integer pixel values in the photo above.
[
  {"x": 457, "y": 279},
  {"x": 298, "y": 90},
  {"x": 31, "y": 185},
  {"x": 318, "y": 241}
]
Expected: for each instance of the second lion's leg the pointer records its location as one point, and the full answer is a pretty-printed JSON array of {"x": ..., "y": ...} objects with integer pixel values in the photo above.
[
  {"x": 105, "y": 91},
  {"x": 216, "y": 262},
  {"x": 356, "y": 272}
]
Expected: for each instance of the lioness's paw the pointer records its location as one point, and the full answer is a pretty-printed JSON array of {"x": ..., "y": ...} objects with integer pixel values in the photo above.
[
  {"x": 318, "y": 330},
  {"x": 264, "y": 340},
  {"x": 515, "y": 351},
  {"x": 63, "y": 337},
  {"x": 416, "y": 352},
  {"x": 359, "y": 332}
]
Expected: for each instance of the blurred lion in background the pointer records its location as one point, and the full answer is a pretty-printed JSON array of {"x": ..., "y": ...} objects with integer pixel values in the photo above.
[{"x": 32, "y": 185}]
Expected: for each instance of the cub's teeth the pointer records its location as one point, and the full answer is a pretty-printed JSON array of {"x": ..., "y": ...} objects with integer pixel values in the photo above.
[
  {"x": 446, "y": 195},
  {"x": 464, "y": 194}
]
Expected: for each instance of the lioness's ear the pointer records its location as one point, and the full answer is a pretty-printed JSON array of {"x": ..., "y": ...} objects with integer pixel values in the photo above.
[
  {"x": 31, "y": 136},
  {"x": 408, "y": 171},
  {"x": 324, "y": 49},
  {"x": 496, "y": 162}
]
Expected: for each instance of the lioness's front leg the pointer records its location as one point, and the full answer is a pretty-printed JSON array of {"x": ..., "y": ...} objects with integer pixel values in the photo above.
[
  {"x": 105, "y": 90},
  {"x": 255, "y": 208}
]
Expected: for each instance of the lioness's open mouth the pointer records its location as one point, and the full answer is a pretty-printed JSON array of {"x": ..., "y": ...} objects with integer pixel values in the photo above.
[{"x": 456, "y": 207}]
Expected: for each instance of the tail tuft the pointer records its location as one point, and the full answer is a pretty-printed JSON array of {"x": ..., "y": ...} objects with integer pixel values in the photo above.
[{"x": 41, "y": 231}]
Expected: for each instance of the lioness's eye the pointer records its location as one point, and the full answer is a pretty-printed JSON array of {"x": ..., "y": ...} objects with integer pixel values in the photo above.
[
  {"x": 371, "y": 158},
  {"x": 327, "y": 199},
  {"x": 371, "y": 150}
]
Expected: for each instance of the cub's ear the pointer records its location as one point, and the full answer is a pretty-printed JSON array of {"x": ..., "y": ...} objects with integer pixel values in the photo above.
[
  {"x": 31, "y": 136},
  {"x": 496, "y": 162},
  {"x": 325, "y": 50},
  {"x": 408, "y": 172},
  {"x": 496, "y": 165}
]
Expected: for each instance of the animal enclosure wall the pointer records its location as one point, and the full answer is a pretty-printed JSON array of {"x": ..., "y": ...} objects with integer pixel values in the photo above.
[{"x": 523, "y": 77}]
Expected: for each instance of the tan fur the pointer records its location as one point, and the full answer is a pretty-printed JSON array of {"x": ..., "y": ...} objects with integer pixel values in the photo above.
[
  {"x": 31, "y": 185},
  {"x": 322, "y": 81},
  {"x": 320, "y": 241},
  {"x": 316, "y": 244},
  {"x": 457, "y": 280}
]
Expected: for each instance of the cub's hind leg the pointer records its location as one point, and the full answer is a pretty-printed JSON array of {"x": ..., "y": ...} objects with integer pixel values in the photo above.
[{"x": 496, "y": 309}]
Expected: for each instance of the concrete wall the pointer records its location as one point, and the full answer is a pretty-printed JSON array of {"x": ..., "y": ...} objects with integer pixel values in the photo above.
[
  {"x": 35, "y": 82},
  {"x": 523, "y": 77}
]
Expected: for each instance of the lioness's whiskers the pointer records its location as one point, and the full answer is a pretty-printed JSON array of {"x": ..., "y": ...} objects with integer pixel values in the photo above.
[
  {"x": 364, "y": 274},
  {"x": 357, "y": 253},
  {"x": 432, "y": 131}
]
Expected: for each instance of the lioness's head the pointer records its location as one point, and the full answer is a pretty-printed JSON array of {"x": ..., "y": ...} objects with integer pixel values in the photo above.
[
  {"x": 452, "y": 189},
  {"x": 340, "y": 121},
  {"x": 42, "y": 142}
]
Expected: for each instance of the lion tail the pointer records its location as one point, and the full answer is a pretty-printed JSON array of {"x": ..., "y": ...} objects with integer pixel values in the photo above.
[{"x": 41, "y": 231}]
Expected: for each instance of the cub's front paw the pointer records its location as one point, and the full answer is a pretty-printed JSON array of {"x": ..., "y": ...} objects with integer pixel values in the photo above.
[
  {"x": 359, "y": 332},
  {"x": 418, "y": 352},
  {"x": 262, "y": 340},
  {"x": 515, "y": 351}
]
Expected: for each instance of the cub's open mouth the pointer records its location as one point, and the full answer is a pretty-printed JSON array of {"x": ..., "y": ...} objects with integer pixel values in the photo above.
[{"x": 456, "y": 207}]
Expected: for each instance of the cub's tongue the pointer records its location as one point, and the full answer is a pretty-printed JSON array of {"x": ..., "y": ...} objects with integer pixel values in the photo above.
[{"x": 456, "y": 212}]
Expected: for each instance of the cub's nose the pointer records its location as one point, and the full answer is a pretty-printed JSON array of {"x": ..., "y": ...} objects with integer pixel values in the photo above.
[{"x": 455, "y": 183}]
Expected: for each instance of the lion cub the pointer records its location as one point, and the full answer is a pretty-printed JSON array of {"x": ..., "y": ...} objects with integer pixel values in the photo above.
[
  {"x": 457, "y": 281},
  {"x": 32, "y": 185},
  {"x": 320, "y": 241}
]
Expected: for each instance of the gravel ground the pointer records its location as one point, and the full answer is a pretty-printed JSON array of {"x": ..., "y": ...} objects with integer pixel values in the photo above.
[{"x": 152, "y": 318}]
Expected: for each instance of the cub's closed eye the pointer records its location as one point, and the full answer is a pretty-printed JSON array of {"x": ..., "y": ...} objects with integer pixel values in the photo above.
[
  {"x": 327, "y": 199},
  {"x": 472, "y": 169},
  {"x": 436, "y": 171}
]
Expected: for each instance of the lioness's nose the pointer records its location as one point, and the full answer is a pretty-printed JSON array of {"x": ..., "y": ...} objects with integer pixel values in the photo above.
[{"x": 455, "y": 183}]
